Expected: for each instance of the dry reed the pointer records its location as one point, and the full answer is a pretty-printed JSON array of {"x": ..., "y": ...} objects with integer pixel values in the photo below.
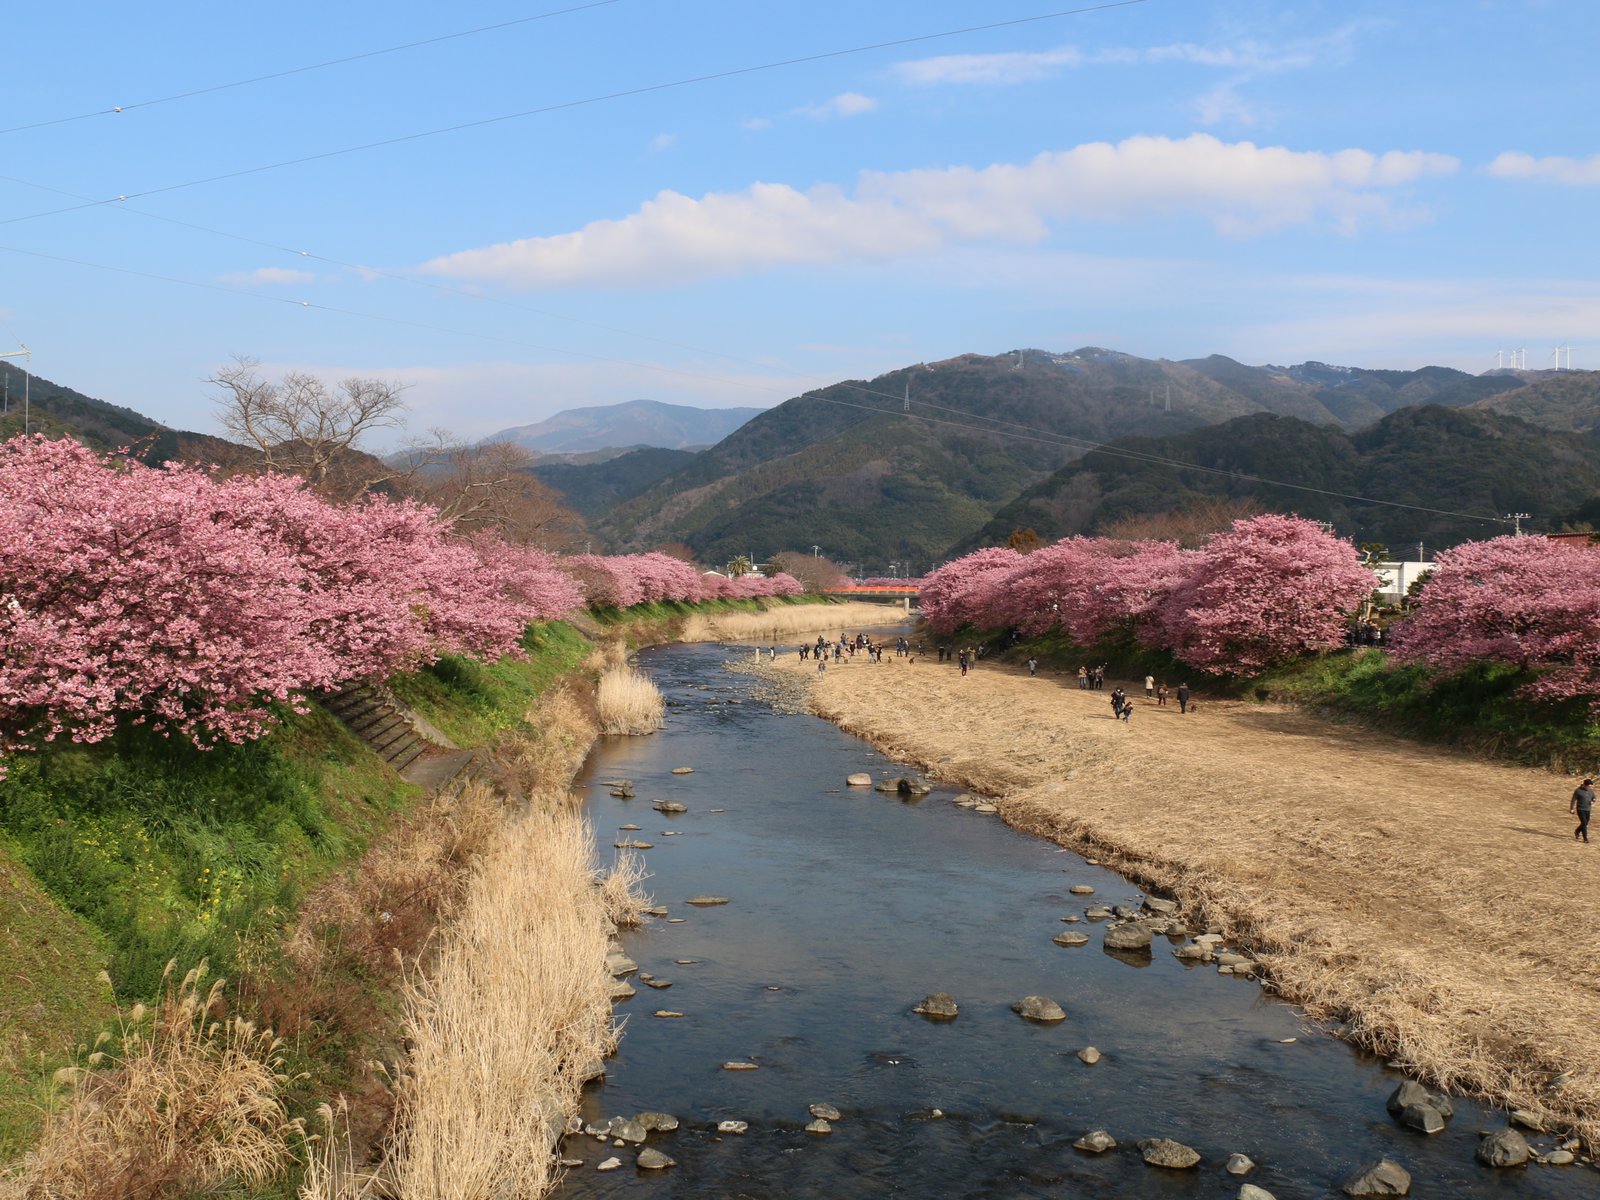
[
  {"x": 1409, "y": 893},
  {"x": 780, "y": 625},
  {"x": 629, "y": 703},
  {"x": 179, "y": 1099},
  {"x": 516, "y": 1003}
]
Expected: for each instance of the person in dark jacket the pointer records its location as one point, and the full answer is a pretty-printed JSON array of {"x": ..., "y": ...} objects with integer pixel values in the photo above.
[
  {"x": 1183, "y": 697},
  {"x": 1583, "y": 805}
]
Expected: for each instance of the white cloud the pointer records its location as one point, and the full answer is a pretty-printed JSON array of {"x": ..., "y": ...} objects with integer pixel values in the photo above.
[
  {"x": 1240, "y": 188},
  {"x": 1250, "y": 56},
  {"x": 663, "y": 141},
  {"x": 755, "y": 124},
  {"x": 268, "y": 276},
  {"x": 1574, "y": 172},
  {"x": 999, "y": 69},
  {"x": 845, "y": 104}
]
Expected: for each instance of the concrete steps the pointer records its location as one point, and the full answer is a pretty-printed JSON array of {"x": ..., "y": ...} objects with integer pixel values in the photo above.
[{"x": 418, "y": 753}]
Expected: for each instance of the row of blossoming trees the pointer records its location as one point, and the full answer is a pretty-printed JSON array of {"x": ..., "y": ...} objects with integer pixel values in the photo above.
[
  {"x": 1273, "y": 588},
  {"x": 176, "y": 598}
]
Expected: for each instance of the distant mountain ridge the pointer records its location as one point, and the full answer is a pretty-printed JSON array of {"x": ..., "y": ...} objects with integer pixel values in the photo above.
[
  {"x": 632, "y": 424},
  {"x": 852, "y": 470}
]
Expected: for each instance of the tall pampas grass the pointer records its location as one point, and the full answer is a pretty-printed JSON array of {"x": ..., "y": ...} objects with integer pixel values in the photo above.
[
  {"x": 628, "y": 702},
  {"x": 515, "y": 1005}
]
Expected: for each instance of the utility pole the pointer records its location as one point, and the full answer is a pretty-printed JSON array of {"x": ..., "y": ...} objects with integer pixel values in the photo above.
[
  {"x": 1516, "y": 520},
  {"x": 27, "y": 379}
]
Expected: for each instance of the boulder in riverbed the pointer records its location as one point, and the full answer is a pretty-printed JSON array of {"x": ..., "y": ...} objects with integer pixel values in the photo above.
[
  {"x": 1081, "y": 889},
  {"x": 1039, "y": 1008},
  {"x": 651, "y": 1159},
  {"x": 1096, "y": 1142},
  {"x": 940, "y": 1005},
  {"x": 1164, "y": 1152},
  {"x": 819, "y": 1126},
  {"x": 1250, "y": 1191},
  {"x": 1424, "y": 1118},
  {"x": 858, "y": 779},
  {"x": 1504, "y": 1148},
  {"x": 1128, "y": 937},
  {"x": 1239, "y": 1164},
  {"x": 1089, "y": 1055},
  {"x": 706, "y": 901},
  {"x": 1070, "y": 937},
  {"x": 1384, "y": 1177},
  {"x": 657, "y": 1122},
  {"x": 824, "y": 1112},
  {"x": 1411, "y": 1092}
]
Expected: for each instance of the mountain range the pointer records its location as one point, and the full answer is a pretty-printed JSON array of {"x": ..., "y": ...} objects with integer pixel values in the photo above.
[
  {"x": 619, "y": 426},
  {"x": 934, "y": 459}
]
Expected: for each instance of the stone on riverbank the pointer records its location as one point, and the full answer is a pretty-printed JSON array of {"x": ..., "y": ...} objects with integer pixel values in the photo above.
[
  {"x": 1164, "y": 1152},
  {"x": 1161, "y": 907},
  {"x": 651, "y": 1159},
  {"x": 1385, "y": 1177},
  {"x": 610, "y": 1164},
  {"x": 858, "y": 779},
  {"x": 1038, "y": 1008},
  {"x": 1558, "y": 1158},
  {"x": 1070, "y": 938},
  {"x": 622, "y": 989},
  {"x": 1194, "y": 952},
  {"x": 940, "y": 1004},
  {"x": 623, "y": 792},
  {"x": 1504, "y": 1148},
  {"x": 1424, "y": 1118},
  {"x": 627, "y": 1129},
  {"x": 1096, "y": 1142}
]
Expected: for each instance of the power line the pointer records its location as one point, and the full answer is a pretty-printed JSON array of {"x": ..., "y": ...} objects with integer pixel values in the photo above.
[
  {"x": 561, "y": 106},
  {"x": 284, "y": 74}
]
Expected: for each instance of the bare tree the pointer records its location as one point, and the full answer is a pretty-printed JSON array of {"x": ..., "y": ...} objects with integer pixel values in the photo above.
[
  {"x": 1188, "y": 526},
  {"x": 816, "y": 573},
  {"x": 300, "y": 427},
  {"x": 488, "y": 486}
]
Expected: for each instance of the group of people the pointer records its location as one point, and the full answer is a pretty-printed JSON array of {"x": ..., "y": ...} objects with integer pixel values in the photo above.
[
  {"x": 1093, "y": 679},
  {"x": 849, "y": 647}
]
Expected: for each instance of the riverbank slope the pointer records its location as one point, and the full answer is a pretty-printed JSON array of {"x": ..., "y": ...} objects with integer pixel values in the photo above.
[{"x": 1435, "y": 903}]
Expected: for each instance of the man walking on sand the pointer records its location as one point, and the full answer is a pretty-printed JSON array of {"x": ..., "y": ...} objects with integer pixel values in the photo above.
[
  {"x": 1149, "y": 687},
  {"x": 1183, "y": 698},
  {"x": 1583, "y": 805}
]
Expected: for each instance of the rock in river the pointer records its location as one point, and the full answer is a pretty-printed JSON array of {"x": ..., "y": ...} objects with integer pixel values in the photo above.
[
  {"x": 740, "y": 1066},
  {"x": 1239, "y": 1164},
  {"x": 657, "y": 1121},
  {"x": 1097, "y": 1142},
  {"x": 818, "y": 1126},
  {"x": 706, "y": 901},
  {"x": 1424, "y": 1118},
  {"x": 859, "y": 779},
  {"x": 939, "y": 1004},
  {"x": 683, "y": 770},
  {"x": 1089, "y": 1055},
  {"x": 1504, "y": 1148},
  {"x": 1411, "y": 1092},
  {"x": 824, "y": 1112},
  {"x": 1164, "y": 1152},
  {"x": 1128, "y": 937},
  {"x": 1250, "y": 1191},
  {"x": 1038, "y": 1008},
  {"x": 651, "y": 1159},
  {"x": 733, "y": 1126},
  {"x": 1385, "y": 1177},
  {"x": 1070, "y": 938},
  {"x": 1081, "y": 889}
]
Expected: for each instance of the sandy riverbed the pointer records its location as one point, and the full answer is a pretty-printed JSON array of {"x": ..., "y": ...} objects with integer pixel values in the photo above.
[{"x": 1435, "y": 902}]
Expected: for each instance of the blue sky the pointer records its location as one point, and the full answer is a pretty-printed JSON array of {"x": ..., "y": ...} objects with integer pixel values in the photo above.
[{"x": 1375, "y": 184}]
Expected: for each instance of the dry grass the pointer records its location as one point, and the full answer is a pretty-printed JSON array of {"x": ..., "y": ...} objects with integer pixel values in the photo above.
[
  {"x": 780, "y": 626},
  {"x": 622, "y": 894},
  {"x": 1435, "y": 903},
  {"x": 629, "y": 702},
  {"x": 514, "y": 1006},
  {"x": 179, "y": 1099},
  {"x": 555, "y": 738}
]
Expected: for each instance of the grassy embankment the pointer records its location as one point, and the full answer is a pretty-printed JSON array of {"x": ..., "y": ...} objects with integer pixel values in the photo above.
[
  {"x": 1478, "y": 710},
  {"x": 299, "y": 866}
]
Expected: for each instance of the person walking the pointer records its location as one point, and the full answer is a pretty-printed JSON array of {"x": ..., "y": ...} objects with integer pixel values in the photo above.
[
  {"x": 1183, "y": 698},
  {"x": 1149, "y": 687},
  {"x": 1118, "y": 699},
  {"x": 1083, "y": 678},
  {"x": 1161, "y": 694},
  {"x": 1583, "y": 805},
  {"x": 1033, "y": 667}
]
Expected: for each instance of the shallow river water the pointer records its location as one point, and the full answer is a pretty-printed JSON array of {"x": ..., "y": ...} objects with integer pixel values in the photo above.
[{"x": 847, "y": 906}]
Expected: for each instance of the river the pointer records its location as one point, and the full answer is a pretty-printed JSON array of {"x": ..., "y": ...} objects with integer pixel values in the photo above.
[{"x": 846, "y": 907}]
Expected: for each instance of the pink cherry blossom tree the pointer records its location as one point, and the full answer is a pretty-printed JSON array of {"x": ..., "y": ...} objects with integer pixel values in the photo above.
[
  {"x": 1269, "y": 589},
  {"x": 1528, "y": 601}
]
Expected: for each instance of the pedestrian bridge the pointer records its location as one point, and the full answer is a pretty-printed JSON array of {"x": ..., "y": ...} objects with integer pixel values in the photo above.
[{"x": 905, "y": 597}]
